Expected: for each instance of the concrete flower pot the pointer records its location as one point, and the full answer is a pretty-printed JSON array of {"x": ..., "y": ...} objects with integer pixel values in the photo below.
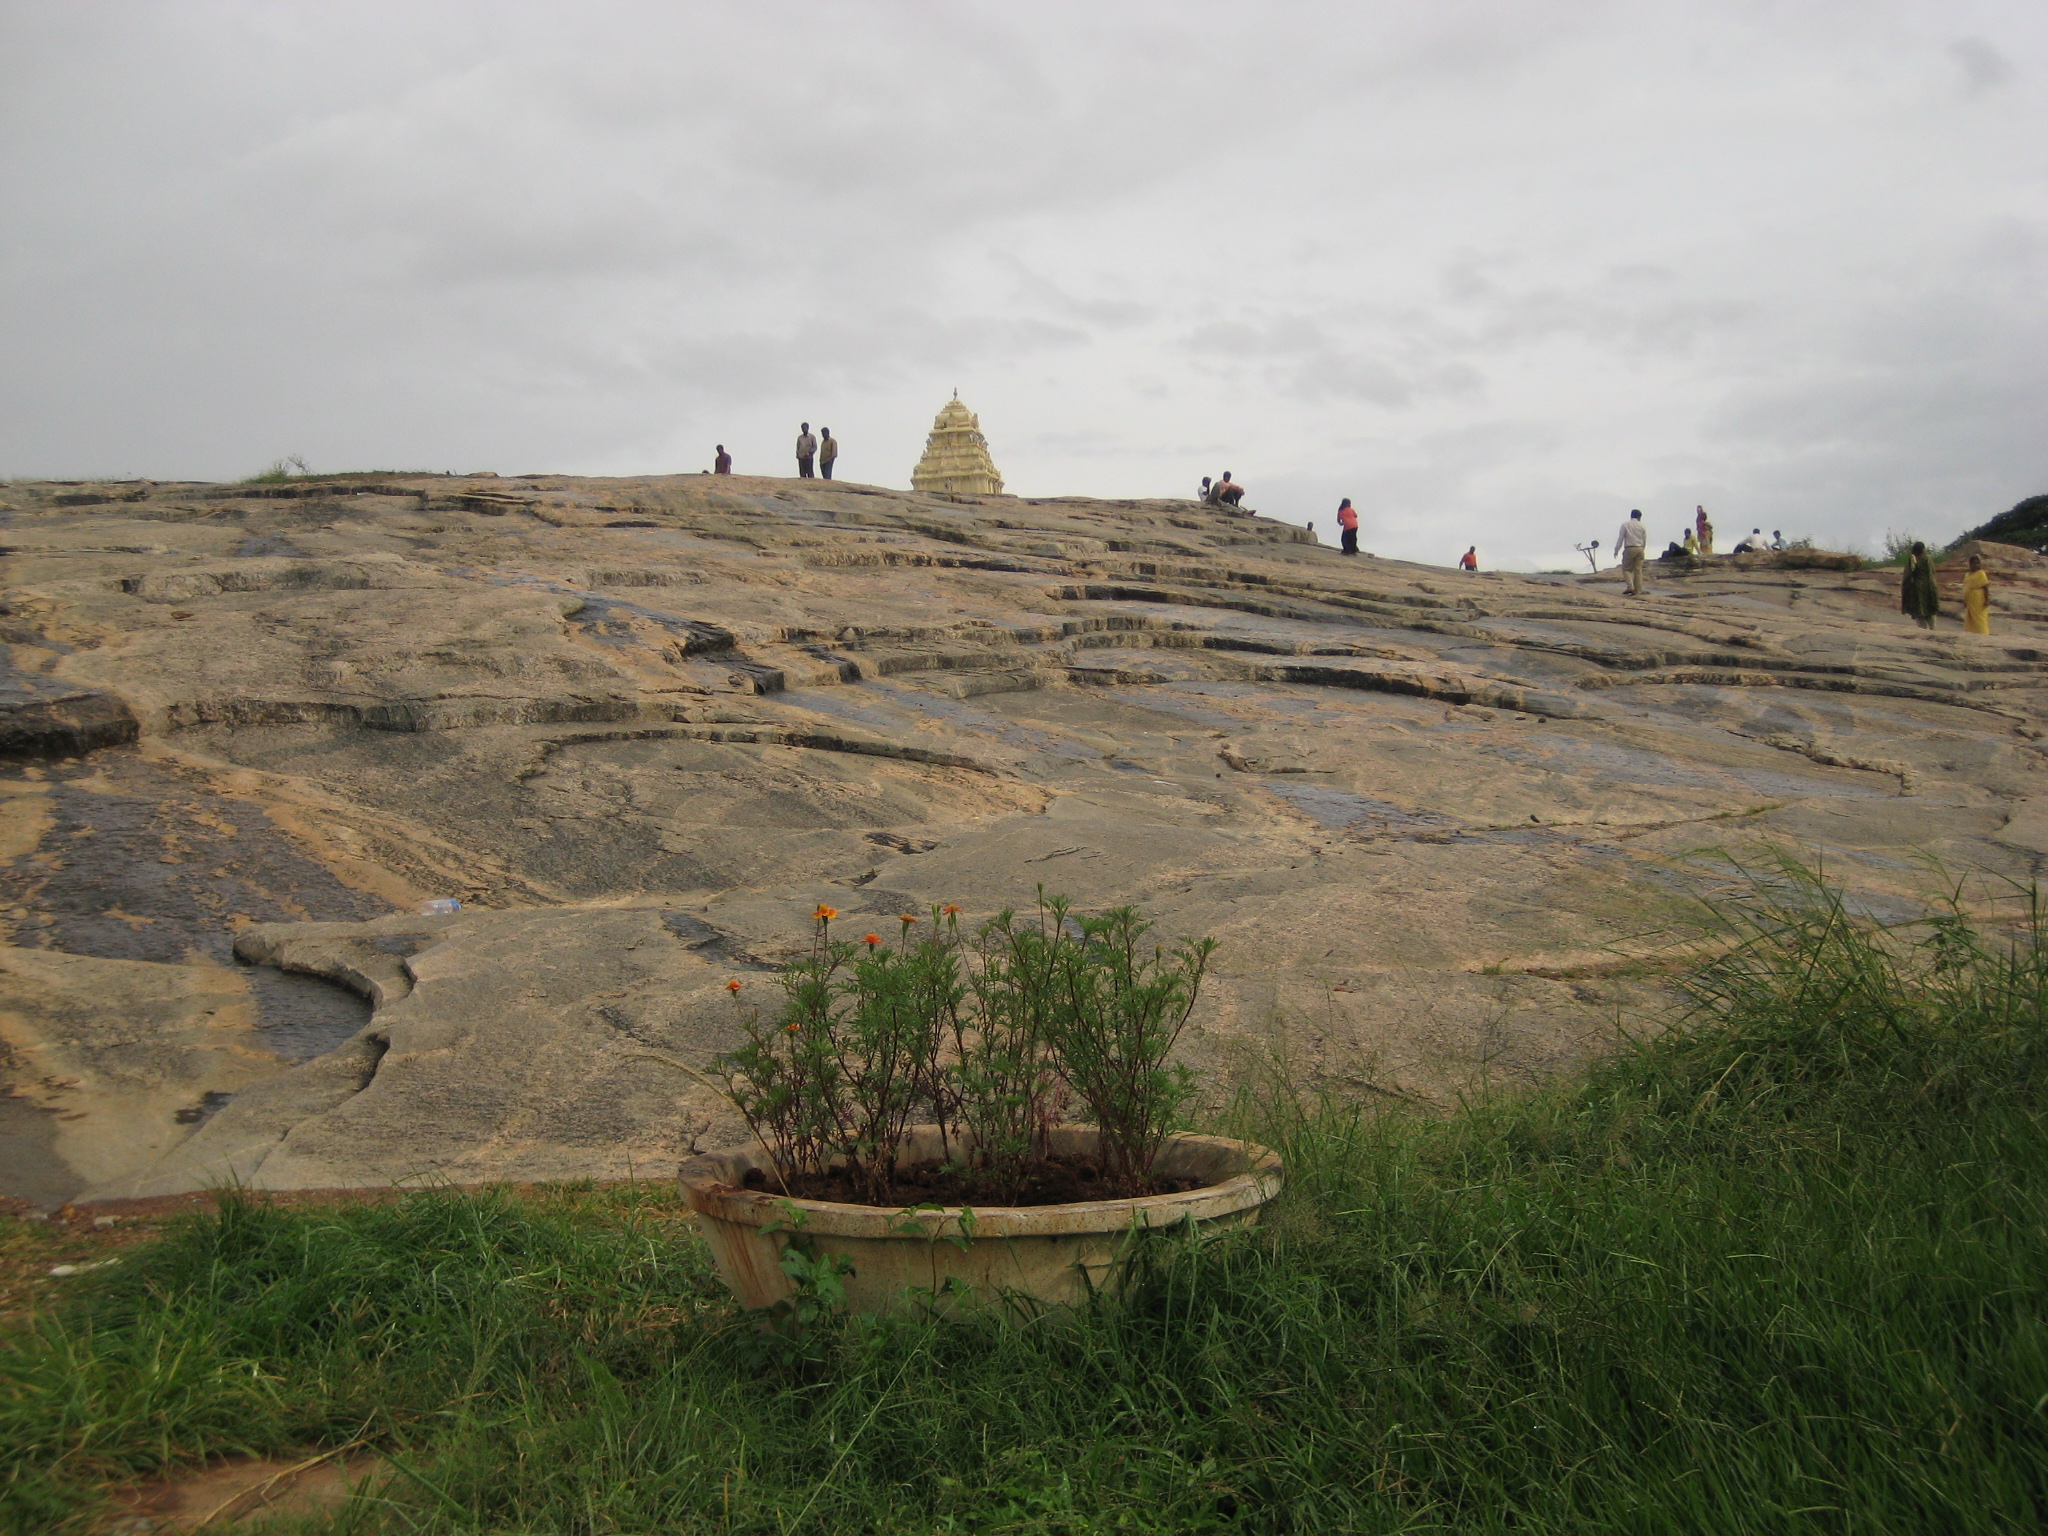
[{"x": 1052, "y": 1254}]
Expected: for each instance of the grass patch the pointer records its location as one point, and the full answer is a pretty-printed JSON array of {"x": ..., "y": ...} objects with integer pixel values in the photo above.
[
  {"x": 293, "y": 471},
  {"x": 1780, "y": 1268}
]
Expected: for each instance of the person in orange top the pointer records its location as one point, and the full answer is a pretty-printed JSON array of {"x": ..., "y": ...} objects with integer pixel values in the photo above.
[
  {"x": 1469, "y": 561},
  {"x": 1347, "y": 521}
]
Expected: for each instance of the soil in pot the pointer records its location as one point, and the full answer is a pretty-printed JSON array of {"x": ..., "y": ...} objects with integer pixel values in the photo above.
[{"x": 1058, "y": 1180}]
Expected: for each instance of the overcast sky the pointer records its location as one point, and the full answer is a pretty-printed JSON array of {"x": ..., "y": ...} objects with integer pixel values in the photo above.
[{"x": 1498, "y": 272}]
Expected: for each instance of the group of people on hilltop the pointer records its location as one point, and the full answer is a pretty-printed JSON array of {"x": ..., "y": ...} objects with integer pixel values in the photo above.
[
  {"x": 1631, "y": 545},
  {"x": 815, "y": 456},
  {"x": 1920, "y": 598},
  {"x": 1698, "y": 540},
  {"x": 1221, "y": 493}
]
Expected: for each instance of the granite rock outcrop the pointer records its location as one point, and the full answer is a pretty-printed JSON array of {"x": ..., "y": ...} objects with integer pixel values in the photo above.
[{"x": 1445, "y": 826}]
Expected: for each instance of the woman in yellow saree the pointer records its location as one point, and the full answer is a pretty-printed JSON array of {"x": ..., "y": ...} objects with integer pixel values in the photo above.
[{"x": 1977, "y": 598}]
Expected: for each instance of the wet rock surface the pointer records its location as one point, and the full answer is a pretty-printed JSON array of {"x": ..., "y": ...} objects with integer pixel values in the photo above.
[{"x": 1442, "y": 825}]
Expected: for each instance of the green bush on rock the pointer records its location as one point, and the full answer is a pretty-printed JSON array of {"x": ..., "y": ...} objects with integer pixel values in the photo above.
[{"x": 989, "y": 1036}]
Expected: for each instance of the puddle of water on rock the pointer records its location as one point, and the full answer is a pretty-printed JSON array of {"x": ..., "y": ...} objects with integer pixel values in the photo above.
[
  {"x": 299, "y": 1017},
  {"x": 30, "y": 1168},
  {"x": 150, "y": 866},
  {"x": 211, "y": 1103}
]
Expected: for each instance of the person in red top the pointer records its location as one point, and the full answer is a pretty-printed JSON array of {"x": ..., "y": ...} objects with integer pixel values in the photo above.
[
  {"x": 1469, "y": 561},
  {"x": 1347, "y": 519}
]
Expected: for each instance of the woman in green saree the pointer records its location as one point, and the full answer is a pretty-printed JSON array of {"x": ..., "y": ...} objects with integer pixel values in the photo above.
[{"x": 1918, "y": 599}]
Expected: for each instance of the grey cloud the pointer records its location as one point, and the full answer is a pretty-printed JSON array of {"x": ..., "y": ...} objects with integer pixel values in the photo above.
[
  {"x": 1034, "y": 288},
  {"x": 1341, "y": 355},
  {"x": 1633, "y": 307},
  {"x": 1984, "y": 67}
]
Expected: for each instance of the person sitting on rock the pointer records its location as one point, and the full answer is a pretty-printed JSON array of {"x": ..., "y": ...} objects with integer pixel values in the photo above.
[
  {"x": 1228, "y": 492},
  {"x": 1691, "y": 546},
  {"x": 1777, "y": 541},
  {"x": 1208, "y": 492},
  {"x": 1752, "y": 545}
]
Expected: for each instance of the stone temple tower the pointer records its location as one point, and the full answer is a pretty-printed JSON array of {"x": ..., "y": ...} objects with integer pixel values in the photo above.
[{"x": 956, "y": 456}]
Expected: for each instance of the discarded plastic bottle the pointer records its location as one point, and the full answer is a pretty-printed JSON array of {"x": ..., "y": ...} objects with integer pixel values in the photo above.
[{"x": 439, "y": 906}]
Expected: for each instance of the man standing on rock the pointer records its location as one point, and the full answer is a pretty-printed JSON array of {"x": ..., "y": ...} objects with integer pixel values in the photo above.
[
  {"x": 806, "y": 450},
  {"x": 1633, "y": 542},
  {"x": 828, "y": 450},
  {"x": 722, "y": 465}
]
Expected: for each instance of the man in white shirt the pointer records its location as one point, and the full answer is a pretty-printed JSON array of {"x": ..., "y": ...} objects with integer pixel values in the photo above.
[{"x": 1632, "y": 542}]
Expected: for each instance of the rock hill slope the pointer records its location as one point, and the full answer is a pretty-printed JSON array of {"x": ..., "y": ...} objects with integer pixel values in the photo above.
[{"x": 1442, "y": 825}]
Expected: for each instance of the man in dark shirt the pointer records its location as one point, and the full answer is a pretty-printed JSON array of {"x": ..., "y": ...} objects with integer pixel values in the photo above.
[{"x": 722, "y": 465}]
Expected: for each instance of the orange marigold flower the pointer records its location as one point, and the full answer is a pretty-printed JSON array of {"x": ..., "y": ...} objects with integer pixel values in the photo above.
[
  {"x": 790, "y": 1027},
  {"x": 907, "y": 919},
  {"x": 871, "y": 939},
  {"x": 951, "y": 910},
  {"x": 732, "y": 986},
  {"x": 825, "y": 914}
]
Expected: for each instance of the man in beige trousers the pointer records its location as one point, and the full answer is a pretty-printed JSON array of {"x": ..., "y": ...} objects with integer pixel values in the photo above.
[{"x": 1633, "y": 542}]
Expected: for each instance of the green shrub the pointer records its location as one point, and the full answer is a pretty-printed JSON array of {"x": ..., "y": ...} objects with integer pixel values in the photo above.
[{"x": 984, "y": 1037}]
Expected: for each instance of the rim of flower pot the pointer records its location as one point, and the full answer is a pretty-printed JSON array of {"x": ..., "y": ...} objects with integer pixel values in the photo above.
[{"x": 713, "y": 1184}]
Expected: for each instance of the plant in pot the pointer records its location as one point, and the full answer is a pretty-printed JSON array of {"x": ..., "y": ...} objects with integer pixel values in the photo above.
[{"x": 910, "y": 1101}]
